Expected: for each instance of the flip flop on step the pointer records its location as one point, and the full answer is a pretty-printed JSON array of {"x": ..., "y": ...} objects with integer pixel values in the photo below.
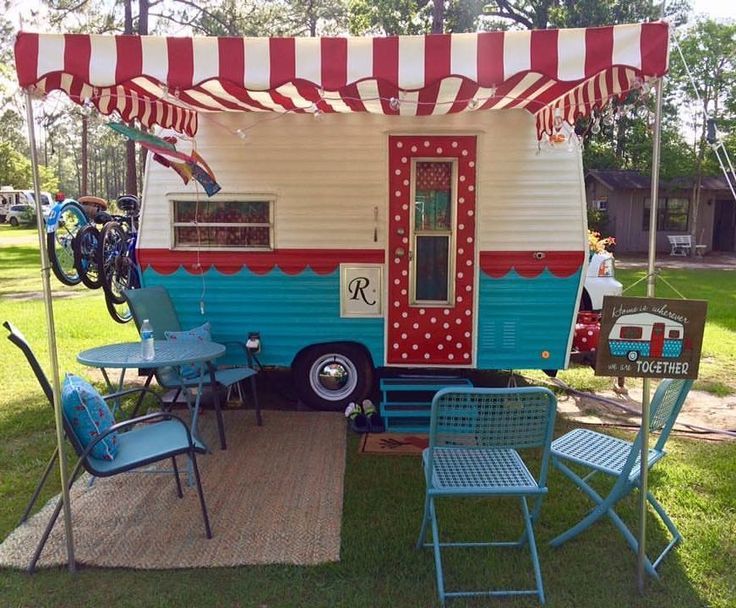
[
  {"x": 375, "y": 422},
  {"x": 356, "y": 418}
]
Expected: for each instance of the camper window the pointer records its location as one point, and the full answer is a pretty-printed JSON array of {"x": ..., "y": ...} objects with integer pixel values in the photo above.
[
  {"x": 631, "y": 333},
  {"x": 673, "y": 334},
  {"x": 432, "y": 231},
  {"x": 223, "y": 224}
]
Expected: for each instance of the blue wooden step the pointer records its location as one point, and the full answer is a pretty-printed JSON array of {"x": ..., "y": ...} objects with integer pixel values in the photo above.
[{"x": 406, "y": 401}]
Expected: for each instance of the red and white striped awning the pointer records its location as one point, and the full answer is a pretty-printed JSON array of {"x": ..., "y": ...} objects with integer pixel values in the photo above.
[{"x": 167, "y": 81}]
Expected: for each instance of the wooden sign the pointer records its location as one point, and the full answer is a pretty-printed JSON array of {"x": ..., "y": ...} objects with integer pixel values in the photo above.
[{"x": 650, "y": 337}]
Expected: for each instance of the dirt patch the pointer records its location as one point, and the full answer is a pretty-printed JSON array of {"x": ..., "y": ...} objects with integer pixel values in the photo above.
[
  {"x": 615, "y": 408},
  {"x": 711, "y": 261}
]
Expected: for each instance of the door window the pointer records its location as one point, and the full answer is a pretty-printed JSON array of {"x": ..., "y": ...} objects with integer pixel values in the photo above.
[{"x": 433, "y": 231}]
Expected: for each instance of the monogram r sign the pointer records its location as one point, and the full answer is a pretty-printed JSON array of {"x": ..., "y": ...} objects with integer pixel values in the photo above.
[{"x": 361, "y": 290}]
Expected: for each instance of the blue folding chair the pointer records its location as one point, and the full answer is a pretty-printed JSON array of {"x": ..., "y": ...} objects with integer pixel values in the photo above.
[
  {"x": 599, "y": 453},
  {"x": 474, "y": 436},
  {"x": 154, "y": 304}
]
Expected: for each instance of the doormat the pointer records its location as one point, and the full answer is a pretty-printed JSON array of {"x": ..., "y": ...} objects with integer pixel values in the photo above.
[
  {"x": 274, "y": 497},
  {"x": 400, "y": 444}
]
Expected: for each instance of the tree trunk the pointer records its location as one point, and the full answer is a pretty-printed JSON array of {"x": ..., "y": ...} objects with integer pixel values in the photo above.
[
  {"x": 131, "y": 178},
  {"x": 143, "y": 17},
  {"x": 438, "y": 17},
  {"x": 83, "y": 191}
]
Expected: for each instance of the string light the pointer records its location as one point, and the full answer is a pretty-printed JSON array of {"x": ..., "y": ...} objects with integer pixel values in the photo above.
[
  {"x": 642, "y": 112},
  {"x": 558, "y": 119},
  {"x": 608, "y": 118},
  {"x": 87, "y": 106}
]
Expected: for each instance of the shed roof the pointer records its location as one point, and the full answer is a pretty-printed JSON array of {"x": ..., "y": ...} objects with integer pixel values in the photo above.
[{"x": 615, "y": 179}]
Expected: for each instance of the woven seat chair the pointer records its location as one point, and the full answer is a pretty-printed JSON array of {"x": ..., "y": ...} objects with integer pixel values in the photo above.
[
  {"x": 599, "y": 453},
  {"x": 473, "y": 441}
]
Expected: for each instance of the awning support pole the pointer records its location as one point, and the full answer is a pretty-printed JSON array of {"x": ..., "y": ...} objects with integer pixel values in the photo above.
[
  {"x": 50, "y": 327},
  {"x": 654, "y": 196}
]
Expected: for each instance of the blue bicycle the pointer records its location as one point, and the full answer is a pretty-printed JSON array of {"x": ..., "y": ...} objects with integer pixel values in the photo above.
[
  {"x": 116, "y": 263},
  {"x": 66, "y": 219}
]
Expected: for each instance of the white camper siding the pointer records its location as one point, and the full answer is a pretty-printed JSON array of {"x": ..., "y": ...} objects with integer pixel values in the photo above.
[
  {"x": 529, "y": 199},
  {"x": 327, "y": 180}
]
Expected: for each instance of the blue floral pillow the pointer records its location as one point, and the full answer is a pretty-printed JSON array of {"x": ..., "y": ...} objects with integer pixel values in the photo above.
[
  {"x": 89, "y": 416},
  {"x": 202, "y": 334}
]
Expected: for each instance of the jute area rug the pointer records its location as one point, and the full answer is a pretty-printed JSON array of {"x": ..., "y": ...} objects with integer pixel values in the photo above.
[{"x": 274, "y": 497}]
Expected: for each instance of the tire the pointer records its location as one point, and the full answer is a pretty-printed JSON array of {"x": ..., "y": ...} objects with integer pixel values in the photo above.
[
  {"x": 116, "y": 268},
  {"x": 86, "y": 256},
  {"x": 14, "y": 222},
  {"x": 71, "y": 219},
  {"x": 351, "y": 378},
  {"x": 120, "y": 313},
  {"x": 585, "y": 301},
  {"x": 632, "y": 355}
]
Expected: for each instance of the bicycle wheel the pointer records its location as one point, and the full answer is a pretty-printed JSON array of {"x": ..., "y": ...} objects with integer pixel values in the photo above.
[
  {"x": 86, "y": 244},
  {"x": 63, "y": 225},
  {"x": 120, "y": 313},
  {"x": 117, "y": 269}
]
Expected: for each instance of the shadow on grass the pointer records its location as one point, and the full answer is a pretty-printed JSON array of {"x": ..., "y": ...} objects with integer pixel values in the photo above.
[{"x": 20, "y": 257}]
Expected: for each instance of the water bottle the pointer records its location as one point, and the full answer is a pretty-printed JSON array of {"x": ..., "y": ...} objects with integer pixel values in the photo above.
[{"x": 147, "y": 352}]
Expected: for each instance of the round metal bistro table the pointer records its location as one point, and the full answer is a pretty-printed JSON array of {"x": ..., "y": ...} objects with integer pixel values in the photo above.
[{"x": 127, "y": 355}]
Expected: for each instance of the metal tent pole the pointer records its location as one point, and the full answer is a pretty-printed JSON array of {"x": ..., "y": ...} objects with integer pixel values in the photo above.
[
  {"x": 46, "y": 281},
  {"x": 650, "y": 294}
]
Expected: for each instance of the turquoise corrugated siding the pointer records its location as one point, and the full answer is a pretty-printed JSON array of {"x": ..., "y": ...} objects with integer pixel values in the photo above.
[
  {"x": 519, "y": 319},
  {"x": 289, "y": 311}
]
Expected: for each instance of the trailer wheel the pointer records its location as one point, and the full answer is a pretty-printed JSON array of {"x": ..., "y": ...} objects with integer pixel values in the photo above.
[
  {"x": 329, "y": 376},
  {"x": 632, "y": 355}
]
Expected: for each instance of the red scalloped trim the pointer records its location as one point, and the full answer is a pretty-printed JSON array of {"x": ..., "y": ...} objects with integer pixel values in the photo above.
[
  {"x": 290, "y": 261},
  {"x": 530, "y": 264}
]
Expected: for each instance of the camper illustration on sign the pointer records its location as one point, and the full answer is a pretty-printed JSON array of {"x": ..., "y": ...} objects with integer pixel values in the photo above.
[{"x": 646, "y": 334}]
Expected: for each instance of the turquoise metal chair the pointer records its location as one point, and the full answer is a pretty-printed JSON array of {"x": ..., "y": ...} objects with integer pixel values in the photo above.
[
  {"x": 141, "y": 441},
  {"x": 474, "y": 436},
  {"x": 599, "y": 453},
  {"x": 154, "y": 304}
]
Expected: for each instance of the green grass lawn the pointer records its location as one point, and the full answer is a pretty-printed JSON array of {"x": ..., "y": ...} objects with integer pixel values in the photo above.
[
  {"x": 383, "y": 499},
  {"x": 718, "y": 287}
]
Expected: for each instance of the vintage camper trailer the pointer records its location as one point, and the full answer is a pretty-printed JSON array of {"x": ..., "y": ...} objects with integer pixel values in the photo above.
[
  {"x": 646, "y": 335},
  {"x": 358, "y": 241},
  {"x": 413, "y": 202}
]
